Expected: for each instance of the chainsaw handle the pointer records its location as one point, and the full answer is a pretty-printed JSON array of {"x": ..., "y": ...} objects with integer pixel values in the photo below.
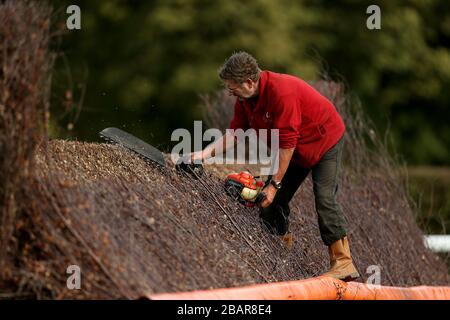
[
  {"x": 261, "y": 196},
  {"x": 185, "y": 164}
]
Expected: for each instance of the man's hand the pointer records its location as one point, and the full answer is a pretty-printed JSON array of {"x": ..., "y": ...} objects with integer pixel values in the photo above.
[
  {"x": 217, "y": 147},
  {"x": 198, "y": 155},
  {"x": 270, "y": 192}
]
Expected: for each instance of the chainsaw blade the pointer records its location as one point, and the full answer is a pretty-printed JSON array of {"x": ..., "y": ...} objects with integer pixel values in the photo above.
[{"x": 136, "y": 145}]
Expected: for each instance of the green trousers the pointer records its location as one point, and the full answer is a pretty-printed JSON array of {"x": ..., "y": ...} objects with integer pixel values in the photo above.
[{"x": 325, "y": 180}]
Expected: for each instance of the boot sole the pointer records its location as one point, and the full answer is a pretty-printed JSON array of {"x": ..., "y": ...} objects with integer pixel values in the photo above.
[{"x": 351, "y": 277}]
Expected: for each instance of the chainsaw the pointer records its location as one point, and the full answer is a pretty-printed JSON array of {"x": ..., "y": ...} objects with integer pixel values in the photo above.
[
  {"x": 245, "y": 188},
  {"x": 147, "y": 152},
  {"x": 242, "y": 186}
]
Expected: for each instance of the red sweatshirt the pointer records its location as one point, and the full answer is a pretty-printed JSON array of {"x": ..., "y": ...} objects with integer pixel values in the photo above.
[{"x": 306, "y": 120}]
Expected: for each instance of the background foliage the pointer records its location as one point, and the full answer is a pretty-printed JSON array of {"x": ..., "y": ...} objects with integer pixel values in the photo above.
[{"x": 141, "y": 65}]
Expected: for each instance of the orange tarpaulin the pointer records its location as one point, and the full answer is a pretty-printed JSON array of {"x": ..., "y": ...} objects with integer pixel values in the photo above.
[{"x": 319, "y": 288}]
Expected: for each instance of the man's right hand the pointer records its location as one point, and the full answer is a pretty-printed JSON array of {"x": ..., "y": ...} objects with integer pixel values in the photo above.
[
  {"x": 191, "y": 163},
  {"x": 197, "y": 156}
]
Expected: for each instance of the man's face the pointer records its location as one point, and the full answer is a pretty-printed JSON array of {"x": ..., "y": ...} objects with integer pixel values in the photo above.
[{"x": 245, "y": 90}]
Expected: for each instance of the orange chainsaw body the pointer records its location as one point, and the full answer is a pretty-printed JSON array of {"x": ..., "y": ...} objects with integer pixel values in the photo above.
[
  {"x": 244, "y": 187},
  {"x": 246, "y": 179}
]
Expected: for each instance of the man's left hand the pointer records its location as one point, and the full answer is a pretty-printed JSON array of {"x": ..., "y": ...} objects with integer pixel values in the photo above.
[{"x": 270, "y": 192}]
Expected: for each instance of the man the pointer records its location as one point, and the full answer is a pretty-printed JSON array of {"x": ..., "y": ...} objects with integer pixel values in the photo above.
[{"x": 311, "y": 137}]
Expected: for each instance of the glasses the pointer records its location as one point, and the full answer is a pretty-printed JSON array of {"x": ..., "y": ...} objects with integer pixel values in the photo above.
[{"x": 229, "y": 88}]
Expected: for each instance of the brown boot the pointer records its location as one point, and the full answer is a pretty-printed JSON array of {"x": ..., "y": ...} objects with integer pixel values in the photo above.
[{"x": 341, "y": 264}]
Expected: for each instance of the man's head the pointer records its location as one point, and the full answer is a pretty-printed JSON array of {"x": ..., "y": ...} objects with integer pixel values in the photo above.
[{"x": 240, "y": 74}]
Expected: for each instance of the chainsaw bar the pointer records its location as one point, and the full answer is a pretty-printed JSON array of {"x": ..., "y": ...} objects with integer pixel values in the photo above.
[{"x": 133, "y": 144}]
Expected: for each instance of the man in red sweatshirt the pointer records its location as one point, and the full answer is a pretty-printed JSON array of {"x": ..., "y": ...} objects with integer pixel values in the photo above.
[{"x": 311, "y": 137}]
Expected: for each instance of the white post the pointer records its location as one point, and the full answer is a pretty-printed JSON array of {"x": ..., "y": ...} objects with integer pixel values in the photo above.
[{"x": 437, "y": 243}]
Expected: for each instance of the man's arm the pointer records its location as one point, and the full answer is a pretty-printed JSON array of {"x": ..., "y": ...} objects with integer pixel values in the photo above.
[
  {"x": 287, "y": 119},
  {"x": 228, "y": 140},
  {"x": 285, "y": 156},
  {"x": 217, "y": 147}
]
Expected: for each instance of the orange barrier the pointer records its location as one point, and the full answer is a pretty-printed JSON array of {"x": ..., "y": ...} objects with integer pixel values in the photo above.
[{"x": 319, "y": 288}]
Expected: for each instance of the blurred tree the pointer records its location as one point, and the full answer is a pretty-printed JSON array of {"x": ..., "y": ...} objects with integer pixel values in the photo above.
[
  {"x": 400, "y": 72},
  {"x": 147, "y": 61}
]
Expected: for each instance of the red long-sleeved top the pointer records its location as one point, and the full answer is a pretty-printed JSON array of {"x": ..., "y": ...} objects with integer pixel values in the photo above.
[{"x": 306, "y": 120}]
